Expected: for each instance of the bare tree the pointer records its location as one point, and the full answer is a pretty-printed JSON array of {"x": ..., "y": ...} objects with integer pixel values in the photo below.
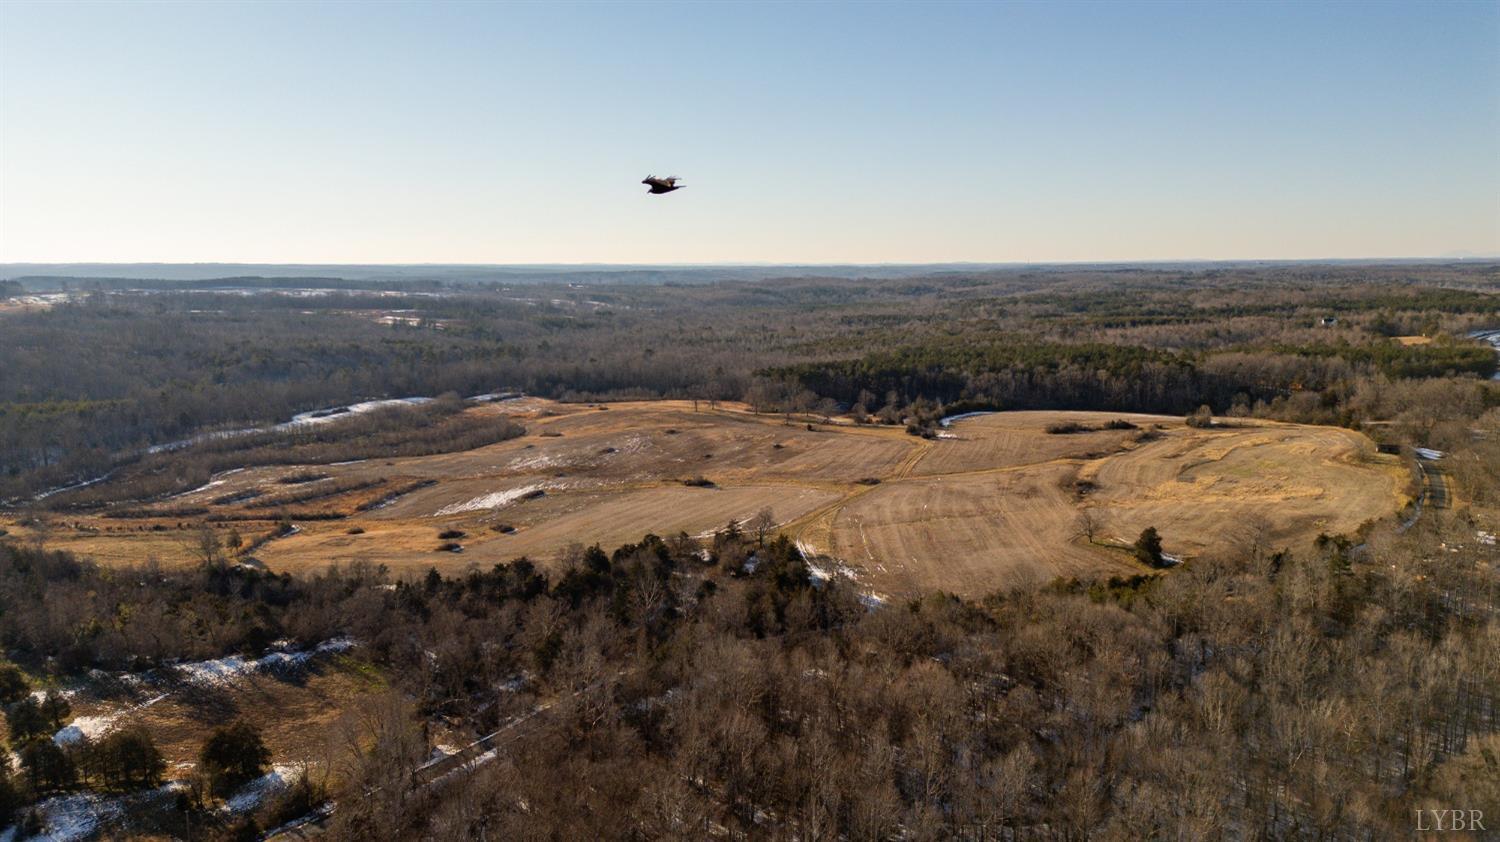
[
  {"x": 762, "y": 524},
  {"x": 1086, "y": 525},
  {"x": 207, "y": 548}
]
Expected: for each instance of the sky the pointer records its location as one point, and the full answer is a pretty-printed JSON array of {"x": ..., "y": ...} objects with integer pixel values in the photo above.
[{"x": 805, "y": 133}]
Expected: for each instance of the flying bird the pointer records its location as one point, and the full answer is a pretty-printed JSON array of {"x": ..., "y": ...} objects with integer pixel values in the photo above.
[{"x": 662, "y": 185}]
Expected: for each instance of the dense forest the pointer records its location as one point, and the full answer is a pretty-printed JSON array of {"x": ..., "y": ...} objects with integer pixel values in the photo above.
[{"x": 152, "y": 367}]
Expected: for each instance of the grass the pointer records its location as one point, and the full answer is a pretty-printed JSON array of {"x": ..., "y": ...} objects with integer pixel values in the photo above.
[{"x": 992, "y": 507}]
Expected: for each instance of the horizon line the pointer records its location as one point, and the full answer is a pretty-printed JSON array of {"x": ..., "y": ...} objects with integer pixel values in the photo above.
[{"x": 731, "y": 264}]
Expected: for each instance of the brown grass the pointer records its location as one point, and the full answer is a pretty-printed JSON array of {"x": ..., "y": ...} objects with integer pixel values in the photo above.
[{"x": 991, "y": 507}]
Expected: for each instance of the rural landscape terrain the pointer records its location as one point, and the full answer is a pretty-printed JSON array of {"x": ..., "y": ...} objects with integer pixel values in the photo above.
[
  {"x": 1004, "y": 551},
  {"x": 988, "y": 503}
]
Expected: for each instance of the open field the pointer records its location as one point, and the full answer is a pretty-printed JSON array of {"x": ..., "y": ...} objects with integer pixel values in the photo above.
[
  {"x": 993, "y": 503},
  {"x": 180, "y": 710}
]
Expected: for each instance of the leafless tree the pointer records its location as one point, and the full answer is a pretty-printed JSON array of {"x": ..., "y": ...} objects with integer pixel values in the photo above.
[{"x": 761, "y": 525}]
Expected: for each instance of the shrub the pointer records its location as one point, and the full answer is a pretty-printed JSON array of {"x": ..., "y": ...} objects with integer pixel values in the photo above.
[
  {"x": 301, "y": 477},
  {"x": 451, "y": 533},
  {"x": 233, "y": 756},
  {"x": 450, "y": 547},
  {"x": 25, "y": 721},
  {"x": 1063, "y": 428},
  {"x": 699, "y": 481},
  {"x": 1201, "y": 419},
  {"x": 1148, "y": 547},
  {"x": 13, "y": 684}
]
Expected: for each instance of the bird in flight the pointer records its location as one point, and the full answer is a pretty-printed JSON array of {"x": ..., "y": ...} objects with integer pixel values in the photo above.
[{"x": 662, "y": 185}]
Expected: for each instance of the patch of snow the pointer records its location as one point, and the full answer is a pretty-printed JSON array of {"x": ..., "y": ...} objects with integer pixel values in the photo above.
[
  {"x": 1428, "y": 453},
  {"x": 300, "y": 420},
  {"x": 962, "y": 415},
  {"x": 76, "y": 817},
  {"x": 493, "y": 500},
  {"x": 253, "y": 794},
  {"x": 539, "y": 461},
  {"x": 323, "y": 416},
  {"x": 226, "y": 670},
  {"x": 91, "y": 727},
  {"x": 818, "y": 574},
  {"x": 1486, "y": 538},
  {"x": 74, "y": 487},
  {"x": 206, "y": 486}
]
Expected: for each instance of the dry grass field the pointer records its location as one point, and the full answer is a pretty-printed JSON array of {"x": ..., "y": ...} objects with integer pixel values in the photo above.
[
  {"x": 993, "y": 503},
  {"x": 295, "y": 711}
]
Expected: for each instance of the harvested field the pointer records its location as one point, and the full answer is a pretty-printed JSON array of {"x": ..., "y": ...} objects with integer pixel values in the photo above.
[
  {"x": 993, "y": 504},
  {"x": 544, "y": 526},
  {"x": 969, "y": 533},
  {"x": 1007, "y": 439},
  {"x": 1197, "y": 488}
]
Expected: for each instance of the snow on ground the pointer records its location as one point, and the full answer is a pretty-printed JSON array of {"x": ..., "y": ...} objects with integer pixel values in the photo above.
[
  {"x": 216, "y": 672},
  {"x": 91, "y": 727},
  {"x": 225, "y": 670},
  {"x": 75, "y": 486},
  {"x": 540, "y": 460},
  {"x": 78, "y": 816},
  {"x": 493, "y": 500},
  {"x": 821, "y": 574},
  {"x": 805, "y": 548},
  {"x": 1428, "y": 453},
  {"x": 213, "y": 483},
  {"x": 962, "y": 415},
  {"x": 1486, "y": 538},
  {"x": 253, "y": 794},
  {"x": 323, "y": 416}
]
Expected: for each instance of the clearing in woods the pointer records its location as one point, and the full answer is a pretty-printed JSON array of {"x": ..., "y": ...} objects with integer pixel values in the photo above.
[{"x": 993, "y": 503}]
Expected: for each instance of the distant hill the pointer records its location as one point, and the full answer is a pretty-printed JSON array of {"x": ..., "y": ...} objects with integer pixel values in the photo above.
[
  {"x": 42, "y": 277},
  {"x": 320, "y": 274}
]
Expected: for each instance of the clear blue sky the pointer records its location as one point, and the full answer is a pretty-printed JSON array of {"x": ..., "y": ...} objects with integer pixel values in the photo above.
[{"x": 469, "y": 132}]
